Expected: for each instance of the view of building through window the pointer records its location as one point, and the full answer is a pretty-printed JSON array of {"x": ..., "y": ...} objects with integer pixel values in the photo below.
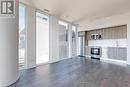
[{"x": 22, "y": 36}]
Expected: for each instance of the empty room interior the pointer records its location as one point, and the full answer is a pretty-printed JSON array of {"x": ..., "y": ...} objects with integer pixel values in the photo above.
[{"x": 65, "y": 43}]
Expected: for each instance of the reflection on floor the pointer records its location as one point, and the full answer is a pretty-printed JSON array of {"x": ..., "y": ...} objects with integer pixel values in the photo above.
[
  {"x": 43, "y": 59},
  {"x": 21, "y": 57},
  {"x": 76, "y": 72}
]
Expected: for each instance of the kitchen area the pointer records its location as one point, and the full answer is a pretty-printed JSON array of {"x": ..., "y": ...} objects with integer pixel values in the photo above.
[{"x": 109, "y": 44}]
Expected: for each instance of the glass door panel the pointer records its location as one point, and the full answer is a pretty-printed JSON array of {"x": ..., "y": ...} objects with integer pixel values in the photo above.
[{"x": 42, "y": 38}]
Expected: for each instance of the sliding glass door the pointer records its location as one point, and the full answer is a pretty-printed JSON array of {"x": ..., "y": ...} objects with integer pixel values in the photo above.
[
  {"x": 42, "y": 38},
  {"x": 22, "y": 36}
]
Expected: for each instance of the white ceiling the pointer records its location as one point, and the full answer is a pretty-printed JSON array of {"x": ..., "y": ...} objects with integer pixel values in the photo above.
[{"x": 79, "y": 10}]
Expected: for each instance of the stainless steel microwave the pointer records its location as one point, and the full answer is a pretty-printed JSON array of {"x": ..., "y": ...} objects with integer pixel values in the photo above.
[{"x": 96, "y": 36}]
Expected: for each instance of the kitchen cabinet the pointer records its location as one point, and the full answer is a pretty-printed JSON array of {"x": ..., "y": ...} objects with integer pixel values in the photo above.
[
  {"x": 89, "y": 35},
  {"x": 122, "y": 32},
  {"x": 104, "y": 52},
  {"x": 122, "y": 53},
  {"x": 117, "y": 32},
  {"x": 110, "y": 33},
  {"x": 112, "y": 53},
  {"x": 117, "y": 53},
  {"x": 106, "y": 34}
]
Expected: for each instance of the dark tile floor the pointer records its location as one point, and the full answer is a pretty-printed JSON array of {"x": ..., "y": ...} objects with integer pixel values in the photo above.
[{"x": 76, "y": 72}]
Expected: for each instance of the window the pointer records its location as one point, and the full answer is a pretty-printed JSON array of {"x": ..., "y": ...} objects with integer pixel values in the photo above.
[
  {"x": 22, "y": 36},
  {"x": 63, "y": 40},
  {"x": 42, "y": 38},
  {"x": 73, "y": 40},
  {"x": 63, "y": 25}
]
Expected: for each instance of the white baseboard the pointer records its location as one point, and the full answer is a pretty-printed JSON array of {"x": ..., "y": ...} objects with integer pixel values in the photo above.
[
  {"x": 65, "y": 58},
  {"x": 54, "y": 61},
  {"x": 60, "y": 60},
  {"x": 119, "y": 62}
]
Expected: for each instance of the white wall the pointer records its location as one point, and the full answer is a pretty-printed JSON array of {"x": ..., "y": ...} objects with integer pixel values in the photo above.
[
  {"x": 54, "y": 39},
  {"x": 70, "y": 40},
  {"x": 108, "y": 22},
  {"x": 128, "y": 42},
  {"x": 9, "y": 49},
  {"x": 31, "y": 37}
]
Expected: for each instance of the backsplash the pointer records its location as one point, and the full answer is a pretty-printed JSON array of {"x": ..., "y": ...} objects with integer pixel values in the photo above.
[{"x": 108, "y": 43}]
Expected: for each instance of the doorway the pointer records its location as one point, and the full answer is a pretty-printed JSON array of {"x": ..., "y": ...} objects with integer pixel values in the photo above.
[{"x": 42, "y": 38}]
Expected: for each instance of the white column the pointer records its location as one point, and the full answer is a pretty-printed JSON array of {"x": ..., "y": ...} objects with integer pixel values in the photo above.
[
  {"x": 9, "y": 49},
  {"x": 128, "y": 43},
  {"x": 76, "y": 41},
  {"x": 70, "y": 40},
  {"x": 30, "y": 37},
  {"x": 54, "y": 39}
]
